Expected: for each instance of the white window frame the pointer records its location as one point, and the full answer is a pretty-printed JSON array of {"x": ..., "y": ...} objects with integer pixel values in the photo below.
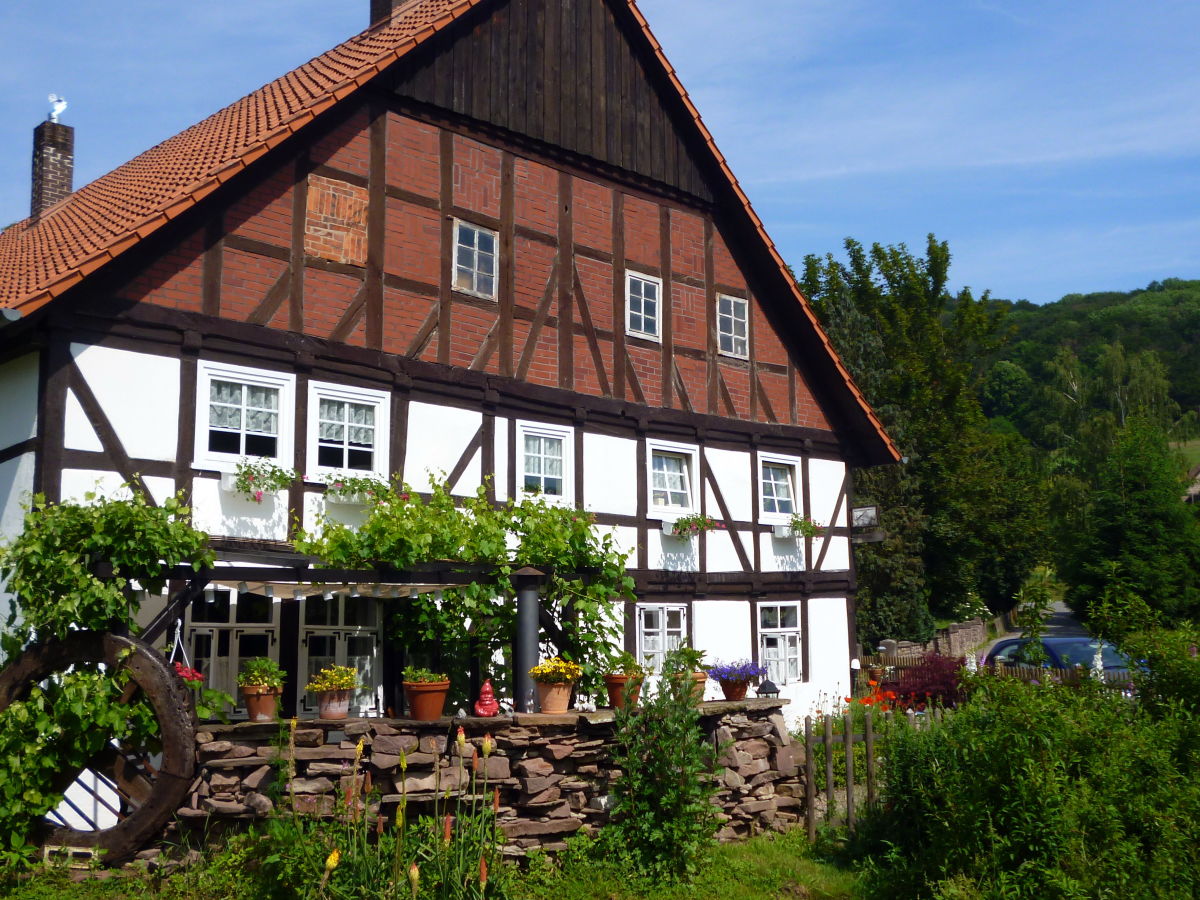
[
  {"x": 691, "y": 455},
  {"x": 662, "y": 609},
  {"x": 789, "y": 633},
  {"x": 381, "y": 400},
  {"x": 656, "y": 334},
  {"x": 792, "y": 464},
  {"x": 206, "y": 373},
  {"x": 473, "y": 290},
  {"x": 341, "y": 633},
  {"x": 227, "y": 680},
  {"x": 721, "y": 334},
  {"x": 567, "y": 436}
]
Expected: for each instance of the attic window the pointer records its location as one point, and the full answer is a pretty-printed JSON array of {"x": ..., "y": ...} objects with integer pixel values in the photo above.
[
  {"x": 474, "y": 260},
  {"x": 642, "y": 300},
  {"x": 732, "y": 326}
]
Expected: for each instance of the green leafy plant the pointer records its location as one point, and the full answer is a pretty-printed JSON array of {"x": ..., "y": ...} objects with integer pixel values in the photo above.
[
  {"x": 263, "y": 671},
  {"x": 804, "y": 526},
  {"x": 626, "y": 663},
  {"x": 663, "y": 818},
  {"x": 209, "y": 702},
  {"x": 334, "y": 678},
  {"x": 365, "y": 487},
  {"x": 252, "y": 478},
  {"x": 683, "y": 659},
  {"x": 415, "y": 675},
  {"x": 694, "y": 523}
]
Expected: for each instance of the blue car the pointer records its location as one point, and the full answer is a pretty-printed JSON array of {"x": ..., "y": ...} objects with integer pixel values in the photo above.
[{"x": 1063, "y": 653}]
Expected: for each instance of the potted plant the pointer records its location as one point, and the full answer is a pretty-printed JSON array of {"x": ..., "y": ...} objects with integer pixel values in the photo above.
[
  {"x": 685, "y": 660},
  {"x": 735, "y": 677},
  {"x": 425, "y": 692},
  {"x": 555, "y": 678},
  {"x": 254, "y": 478},
  {"x": 624, "y": 683},
  {"x": 690, "y": 525},
  {"x": 261, "y": 681},
  {"x": 333, "y": 685}
]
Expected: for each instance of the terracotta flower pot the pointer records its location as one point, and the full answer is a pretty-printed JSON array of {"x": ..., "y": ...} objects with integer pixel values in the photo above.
[
  {"x": 262, "y": 702},
  {"x": 333, "y": 704},
  {"x": 553, "y": 699},
  {"x": 623, "y": 690},
  {"x": 734, "y": 690},
  {"x": 699, "y": 679},
  {"x": 426, "y": 699}
]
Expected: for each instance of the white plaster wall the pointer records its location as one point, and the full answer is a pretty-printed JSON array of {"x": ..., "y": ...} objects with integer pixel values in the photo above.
[
  {"x": 226, "y": 514},
  {"x": 139, "y": 394},
  {"x": 609, "y": 474},
  {"x": 731, "y": 470},
  {"x": 671, "y": 553},
  {"x": 780, "y": 554},
  {"x": 317, "y": 509},
  {"x": 16, "y": 487},
  {"x": 500, "y": 455},
  {"x": 829, "y": 662},
  {"x": 720, "y": 555},
  {"x": 825, "y": 484},
  {"x": 78, "y": 433},
  {"x": 19, "y": 390},
  {"x": 626, "y": 538},
  {"x": 721, "y": 628},
  {"x": 837, "y": 557},
  {"x": 78, "y": 483},
  {"x": 437, "y": 437}
]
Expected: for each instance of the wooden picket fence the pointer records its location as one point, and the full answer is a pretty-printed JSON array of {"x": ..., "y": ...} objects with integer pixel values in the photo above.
[{"x": 855, "y": 787}]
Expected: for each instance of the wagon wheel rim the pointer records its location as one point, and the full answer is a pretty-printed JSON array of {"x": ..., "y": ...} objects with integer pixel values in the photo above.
[{"x": 147, "y": 794}]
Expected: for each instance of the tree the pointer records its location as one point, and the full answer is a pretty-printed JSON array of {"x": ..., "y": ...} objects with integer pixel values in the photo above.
[
  {"x": 1137, "y": 539},
  {"x": 919, "y": 354}
]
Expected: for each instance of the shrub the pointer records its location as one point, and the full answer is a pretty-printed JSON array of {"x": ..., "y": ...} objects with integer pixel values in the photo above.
[
  {"x": 935, "y": 678},
  {"x": 664, "y": 819},
  {"x": 1166, "y": 667},
  {"x": 1038, "y": 791}
]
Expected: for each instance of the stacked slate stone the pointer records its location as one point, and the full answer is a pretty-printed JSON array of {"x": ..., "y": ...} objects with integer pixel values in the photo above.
[{"x": 553, "y": 773}]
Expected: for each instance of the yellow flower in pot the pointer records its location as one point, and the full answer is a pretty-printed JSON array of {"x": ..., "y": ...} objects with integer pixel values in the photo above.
[
  {"x": 555, "y": 678},
  {"x": 333, "y": 685}
]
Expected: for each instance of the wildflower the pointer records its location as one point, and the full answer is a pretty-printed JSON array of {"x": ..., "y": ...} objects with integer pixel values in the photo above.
[
  {"x": 488, "y": 745},
  {"x": 447, "y": 821},
  {"x": 378, "y": 825},
  {"x": 414, "y": 878},
  {"x": 358, "y": 750},
  {"x": 403, "y": 761},
  {"x": 848, "y": 699},
  {"x": 461, "y": 740},
  {"x": 331, "y": 861},
  {"x": 496, "y": 801},
  {"x": 872, "y": 683},
  {"x": 258, "y": 495},
  {"x": 482, "y": 872}
]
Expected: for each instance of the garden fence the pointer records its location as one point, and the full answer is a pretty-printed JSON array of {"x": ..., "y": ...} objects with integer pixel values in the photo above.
[{"x": 845, "y": 747}]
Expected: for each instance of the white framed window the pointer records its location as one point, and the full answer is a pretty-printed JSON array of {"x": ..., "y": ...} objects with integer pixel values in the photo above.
[
  {"x": 661, "y": 627},
  {"x": 780, "y": 643},
  {"x": 547, "y": 461},
  {"x": 733, "y": 328},
  {"x": 643, "y": 305},
  {"x": 224, "y": 628},
  {"x": 243, "y": 412},
  {"x": 475, "y": 260},
  {"x": 341, "y": 629},
  {"x": 348, "y": 429},
  {"x": 672, "y": 477},
  {"x": 777, "y": 488}
]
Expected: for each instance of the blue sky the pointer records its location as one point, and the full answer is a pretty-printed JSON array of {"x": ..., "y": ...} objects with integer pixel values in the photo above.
[{"x": 1055, "y": 145}]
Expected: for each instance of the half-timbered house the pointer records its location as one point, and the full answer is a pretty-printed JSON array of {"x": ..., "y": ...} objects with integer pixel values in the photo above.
[{"x": 489, "y": 238}]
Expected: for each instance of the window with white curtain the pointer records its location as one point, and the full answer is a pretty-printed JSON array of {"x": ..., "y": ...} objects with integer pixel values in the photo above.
[
  {"x": 348, "y": 429},
  {"x": 780, "y": 642},
  {"x": 660, "y": 628},
  {"x": 242, "y": 412}
]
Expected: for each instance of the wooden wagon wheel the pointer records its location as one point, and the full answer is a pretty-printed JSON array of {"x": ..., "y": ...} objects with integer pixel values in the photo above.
[{"x": 140, "y": 790}]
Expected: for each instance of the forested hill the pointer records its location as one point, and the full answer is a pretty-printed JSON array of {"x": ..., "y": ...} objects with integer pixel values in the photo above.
[{"x": 1163, "y": 317}]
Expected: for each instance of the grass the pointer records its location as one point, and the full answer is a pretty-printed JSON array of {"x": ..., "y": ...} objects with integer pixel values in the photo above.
[
  {"x": 766, "y": 866},
  {"x": 1191, "y": 451}
]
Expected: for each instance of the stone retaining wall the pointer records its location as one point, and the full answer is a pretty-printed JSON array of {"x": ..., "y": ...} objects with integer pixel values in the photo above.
[
  {"x": 958, "y": 639},
  {"x": 553, "y": 773}
]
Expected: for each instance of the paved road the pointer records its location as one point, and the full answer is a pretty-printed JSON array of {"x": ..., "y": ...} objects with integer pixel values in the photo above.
[{"x": 1060, "y": 623}]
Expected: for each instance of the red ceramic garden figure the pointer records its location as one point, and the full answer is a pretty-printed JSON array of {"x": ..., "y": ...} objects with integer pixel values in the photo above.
[{"x": 486, "y": 705}]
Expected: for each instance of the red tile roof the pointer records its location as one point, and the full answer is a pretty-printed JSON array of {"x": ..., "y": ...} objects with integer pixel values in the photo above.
[{"x": 43, "y": 257}]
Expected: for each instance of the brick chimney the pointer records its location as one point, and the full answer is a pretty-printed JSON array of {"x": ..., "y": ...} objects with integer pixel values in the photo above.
[
  {"x": 53, "y": 164},
  {"x": 381, "y": 10}
]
